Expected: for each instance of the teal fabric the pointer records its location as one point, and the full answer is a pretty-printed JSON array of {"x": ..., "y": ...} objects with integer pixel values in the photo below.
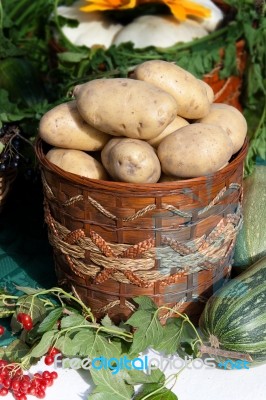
[{"x": 25, "y": 254}]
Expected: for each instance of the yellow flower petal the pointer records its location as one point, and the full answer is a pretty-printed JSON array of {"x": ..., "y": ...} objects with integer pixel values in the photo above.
[
  {"x": 101, "y": 5},
  {"x": 181, "y": 9}
]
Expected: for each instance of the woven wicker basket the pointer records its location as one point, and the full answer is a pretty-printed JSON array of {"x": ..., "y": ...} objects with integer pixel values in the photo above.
[
  {"x": 6, "y": 181},
  {"x": 113, "y": 241}
]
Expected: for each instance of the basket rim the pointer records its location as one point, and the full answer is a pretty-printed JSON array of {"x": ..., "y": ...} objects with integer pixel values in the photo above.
[{"x": 138, "y": 187}]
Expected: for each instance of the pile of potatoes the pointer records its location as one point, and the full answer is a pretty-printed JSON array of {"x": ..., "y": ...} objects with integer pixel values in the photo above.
[{"x": 160, "y": 124}]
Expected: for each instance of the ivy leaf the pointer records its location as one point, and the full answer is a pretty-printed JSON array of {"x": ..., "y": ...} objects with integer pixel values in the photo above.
[
  {"x": 110, "y": 385},
  {"x": 45, "y": 343},
  {"x": 149, "y": 332},
  {"x": 50, "y": 320}
]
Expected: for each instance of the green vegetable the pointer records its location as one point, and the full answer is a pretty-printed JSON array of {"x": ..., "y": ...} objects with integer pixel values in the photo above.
[
  {"x": 234, "y": 318},
  {"x": 251, "y": 240},
  {"x": 20, "y": 79}
]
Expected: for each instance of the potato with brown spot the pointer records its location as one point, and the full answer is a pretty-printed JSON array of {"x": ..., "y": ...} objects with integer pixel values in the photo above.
[
  {"x": 192, "y": 99},
  {"x": 195, "y": 150},
  {"x": 131, "y": 160},
  {"x": 77, "y": 162},
  {"x": 63, "y": 126},
  {"x": 125, "y": 107},
  {"x": 231, "y": 120}
]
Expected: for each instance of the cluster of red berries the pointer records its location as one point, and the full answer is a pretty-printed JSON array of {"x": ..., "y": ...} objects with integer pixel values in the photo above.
[
  {"x": 20, "y": 385},
  {"x": 49, "y": 358},
  {"x": 25, "y": 320}
]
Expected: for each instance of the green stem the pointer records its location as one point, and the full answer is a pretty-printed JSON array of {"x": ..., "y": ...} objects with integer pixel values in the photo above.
[
  {"x": 167, "y": 381},
  {"x": 69, "y": 296},
  {"x": 99, "y": 328}
]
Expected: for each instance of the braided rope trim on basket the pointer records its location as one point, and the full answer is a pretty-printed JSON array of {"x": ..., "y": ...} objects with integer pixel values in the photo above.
[
  {"x": 109, "y": 260},
  {"x": 140, "y": 213}
]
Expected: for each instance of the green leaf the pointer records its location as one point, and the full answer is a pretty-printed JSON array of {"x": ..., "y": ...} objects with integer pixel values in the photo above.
[
  {"x": 109, "y": 384},
  {"x": 72, "y": 321},
  {"x": 103, "y": 347},
  {"x": 16, "y": 350},
  {"x": 50, "y": 320},
  {"x": 145, "y": 303},
  {"x": 32, "y": 305},
  {"x": 28, "y": 290},
  {"x": 149, "y": 332},
  {"x": 172, "y": 336},
  {"x": 65, "y": 345},
  {"x": 45, "y": 343},
  {"x": 71, "y": 57},
  {"x": 162, "y": 394},
  {"x": 108, "y": 323},
  {"x": 138, "y": 377}
]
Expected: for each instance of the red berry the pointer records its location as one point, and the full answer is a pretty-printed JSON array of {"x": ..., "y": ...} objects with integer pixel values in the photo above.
[
  {"x": 3, "y": 391},
  {"x": 2, "y": 330},
  {"x": 46, "y": 374},
  {"x": 15, "y": 385},
  {"x": 54, "y": 375},
  {"x": 49, "y": 381},
  {"x": 25, "y": 320},
  {"x": 48, "y": 360},
  {"x": 53, "y": 351},
  {"x": 32, "y": 390},
  {"x": 40, "y": 394},
  {"x": 6, "y": 383}
]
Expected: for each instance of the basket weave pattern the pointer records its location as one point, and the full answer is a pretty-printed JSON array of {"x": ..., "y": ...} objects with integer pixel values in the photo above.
[{"x": 113, "y": 241}]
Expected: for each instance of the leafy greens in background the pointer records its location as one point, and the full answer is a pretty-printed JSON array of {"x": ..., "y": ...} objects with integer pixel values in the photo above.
[{"x": 30, "y": 34}]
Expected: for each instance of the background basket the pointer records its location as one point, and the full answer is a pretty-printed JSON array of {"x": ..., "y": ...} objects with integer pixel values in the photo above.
[
  {"x": 7, "y": 178},
  {"x": 113, "y": 241}
]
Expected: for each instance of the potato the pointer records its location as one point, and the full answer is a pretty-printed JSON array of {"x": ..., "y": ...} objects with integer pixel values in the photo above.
[
  {"x": 209, "y": 90},
  {"x": 189, "y": 93},
  {"x": 64, "y": 127},
  {"x": 125, "y": 107},
  {"x": 77, "y": 162},
  {"x": 177, "y": 123},
  {"x": 195, "y": 150},
  {"x": 168, "y": 178},
  {"x": 231, "y": 120},
  {"x": 131, "y": 160}
]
